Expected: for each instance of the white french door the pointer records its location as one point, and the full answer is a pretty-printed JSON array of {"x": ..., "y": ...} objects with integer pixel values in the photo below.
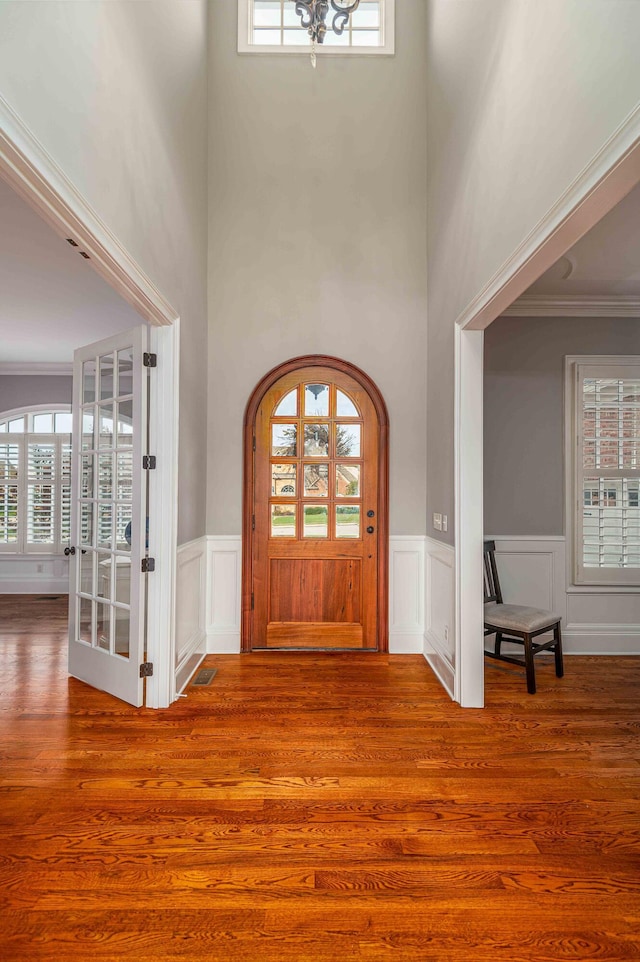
[{"x": 108, "y": 517}]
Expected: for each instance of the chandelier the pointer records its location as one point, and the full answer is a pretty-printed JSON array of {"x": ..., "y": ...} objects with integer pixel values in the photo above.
[{"x": 313, "y": 15}]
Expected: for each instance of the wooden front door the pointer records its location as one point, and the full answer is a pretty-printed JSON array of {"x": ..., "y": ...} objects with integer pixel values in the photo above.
[{"x": 315, "y": 510}]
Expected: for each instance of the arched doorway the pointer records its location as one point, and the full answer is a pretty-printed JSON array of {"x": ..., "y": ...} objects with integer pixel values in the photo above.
[{"x": 315, "y": 521}]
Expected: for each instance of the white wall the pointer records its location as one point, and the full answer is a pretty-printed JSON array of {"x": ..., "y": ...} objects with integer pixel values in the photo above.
[
  {"x": 116, "y": 93},
  {"x": 524, "y": 414},
  {"x": 318, "y": 238},
  {"x": 522, "y": 96}
]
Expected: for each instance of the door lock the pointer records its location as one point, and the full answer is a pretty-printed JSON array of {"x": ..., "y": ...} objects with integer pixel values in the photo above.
[
  {"x": 370, "y": 529},
  {"x": 69, "y": 550}
]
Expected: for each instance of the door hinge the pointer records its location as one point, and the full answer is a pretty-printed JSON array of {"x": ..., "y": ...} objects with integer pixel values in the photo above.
[
  {"x": 148, "y": 462},
  {"x": 252, "y": 600},
  {"x": 148, "y": 564},
  {"x": 146, "y": 669},
  {"x": 253, "y": 522},
  {"x": 150, "y": 360}
]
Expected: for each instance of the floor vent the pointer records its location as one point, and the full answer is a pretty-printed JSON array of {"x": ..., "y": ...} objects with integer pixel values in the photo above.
[{"x": 204, "y": 677}]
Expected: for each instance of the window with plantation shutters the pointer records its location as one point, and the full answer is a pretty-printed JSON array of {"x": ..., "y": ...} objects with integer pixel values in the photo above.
[
  {"x": 35, "y": 481},
  {"x": 605, "y": 470}
]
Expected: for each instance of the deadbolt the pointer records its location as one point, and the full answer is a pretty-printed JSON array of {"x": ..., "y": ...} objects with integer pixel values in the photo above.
[
  {"x": 370, "y": 529},
  {"x": 371, "y": 514}
]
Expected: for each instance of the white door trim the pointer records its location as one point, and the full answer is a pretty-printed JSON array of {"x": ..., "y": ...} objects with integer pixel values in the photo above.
[
  {"x": 612, "y": 173},
  {"x": 34, "y": 174}
]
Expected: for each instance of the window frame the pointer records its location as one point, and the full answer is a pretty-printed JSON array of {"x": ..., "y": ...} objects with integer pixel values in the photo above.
[
  {"x": 577, "y": 368},
  {"x": 22, "y": 439},
  {"x": 386, "y": 48}
]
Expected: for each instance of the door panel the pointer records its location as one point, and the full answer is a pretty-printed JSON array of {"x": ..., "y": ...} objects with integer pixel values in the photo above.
[
  {"x": 316, "y": 503},
  {"x": 108, "y": 531}
]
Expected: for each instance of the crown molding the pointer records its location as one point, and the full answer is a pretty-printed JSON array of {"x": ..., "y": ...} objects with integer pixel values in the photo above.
[
  {"x": 607, "y": 178},
  {"x": 574, "y": 305},
  {"x": 26, "y": 368},
  {"x": 35, "y": 175}
]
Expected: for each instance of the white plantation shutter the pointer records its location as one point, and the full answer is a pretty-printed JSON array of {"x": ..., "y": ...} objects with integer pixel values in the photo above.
[
  {"x": 607, "y": 472},
  {"x": 35, "y": 483},
  {"x": 9, "y": 481}
]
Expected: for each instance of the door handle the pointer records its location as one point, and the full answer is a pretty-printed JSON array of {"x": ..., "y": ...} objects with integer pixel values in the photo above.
[
  {"x": 370, "y": 529},
  {"x": 69, "y": 550}
]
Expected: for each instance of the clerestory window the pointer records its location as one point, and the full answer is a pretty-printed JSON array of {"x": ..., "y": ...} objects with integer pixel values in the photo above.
[{"x": 274, "y": 26}]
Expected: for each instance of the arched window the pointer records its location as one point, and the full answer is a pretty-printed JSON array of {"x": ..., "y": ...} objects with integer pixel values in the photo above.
[{"x": 35, "y": 479}]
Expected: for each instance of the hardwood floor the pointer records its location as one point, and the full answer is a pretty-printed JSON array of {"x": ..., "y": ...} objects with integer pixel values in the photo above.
[{"x": 316, "y": 807}]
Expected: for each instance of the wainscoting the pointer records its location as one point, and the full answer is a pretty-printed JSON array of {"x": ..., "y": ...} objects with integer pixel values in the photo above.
[
  {"x": 33, "y": 574},
  {"x": 223, "y": 594},
  {"x": 191, "y": 586},
  {"x": 439, "y": 633},
  {"x": 596, "y": 621}
]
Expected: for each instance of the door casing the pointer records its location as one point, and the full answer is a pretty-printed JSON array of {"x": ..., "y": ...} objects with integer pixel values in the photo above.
[{"x": 337, "y": 364}]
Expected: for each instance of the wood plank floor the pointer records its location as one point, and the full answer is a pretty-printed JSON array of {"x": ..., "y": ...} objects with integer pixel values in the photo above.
[{"x": 316, "y": 807}]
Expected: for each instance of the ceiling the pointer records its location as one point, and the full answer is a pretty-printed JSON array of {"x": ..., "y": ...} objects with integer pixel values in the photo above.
[
  {"x": 52, "y": 300},
  {"x": 605, "y": 262}
]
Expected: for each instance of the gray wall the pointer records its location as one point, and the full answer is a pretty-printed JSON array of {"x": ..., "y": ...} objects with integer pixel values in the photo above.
[
  {"x": 17, "y": 391},
  {"x": 116, "y": 93},
  {"x": 524, "y": 414},
  {"x": 318, "y": 238},
  {"x": 522, "y": 96}
]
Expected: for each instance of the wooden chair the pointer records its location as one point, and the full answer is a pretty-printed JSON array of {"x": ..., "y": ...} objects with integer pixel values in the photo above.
[{"x": 517, "y": 623}]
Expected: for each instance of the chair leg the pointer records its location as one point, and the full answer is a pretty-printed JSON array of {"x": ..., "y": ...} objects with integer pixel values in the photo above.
[
  {"x": 498, "y": 642},
  {"x": 558, "y": 651},
  {"x": 528, "y": 661}
]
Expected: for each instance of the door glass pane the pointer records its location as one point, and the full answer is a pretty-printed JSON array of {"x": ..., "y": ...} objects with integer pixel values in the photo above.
[
  {"x": 348, "y": 521},
  {"x": 345, "y": 406},
  {"x": 85, "y": 620},
  {"x": 124, "y": 475},
  {"x": 103, "y": 625},
  {"x": 283, "y": 440},
  {"x": 283, "y": 520},
  {"x": 316, "y": 400},
  {"x": 105, "y": 475},
  {"x": 105, "y": 524},
  {"x": 348, "y": 440},
  {"x": 316, "y": 521},
  {"x": 86, "y": 476},
  {"x": 106, "y": 377},
  {"x": 87, "y": 585},
  {"x": 88, "y": 382},
  {"x": 288, "y": 406},
  {"x": 125, "y": 424},
  {"x": 87, "y": 431},
  {"x": 316, "y": 480},
  {"x": 122, "y": 580},
  {"x": 104, "y": 576},
  {"x": 283, "y": 480},
  {"x": 125, "y": 372},
  {"x": 86, "y": 522},
  {"x": 123, "y": 527},
  {"x": 316, "y": 440},
  {"x": 122, "y": 627},
  {"x": 105, "y": 425},
  {"x": 347, "y": 480}
]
